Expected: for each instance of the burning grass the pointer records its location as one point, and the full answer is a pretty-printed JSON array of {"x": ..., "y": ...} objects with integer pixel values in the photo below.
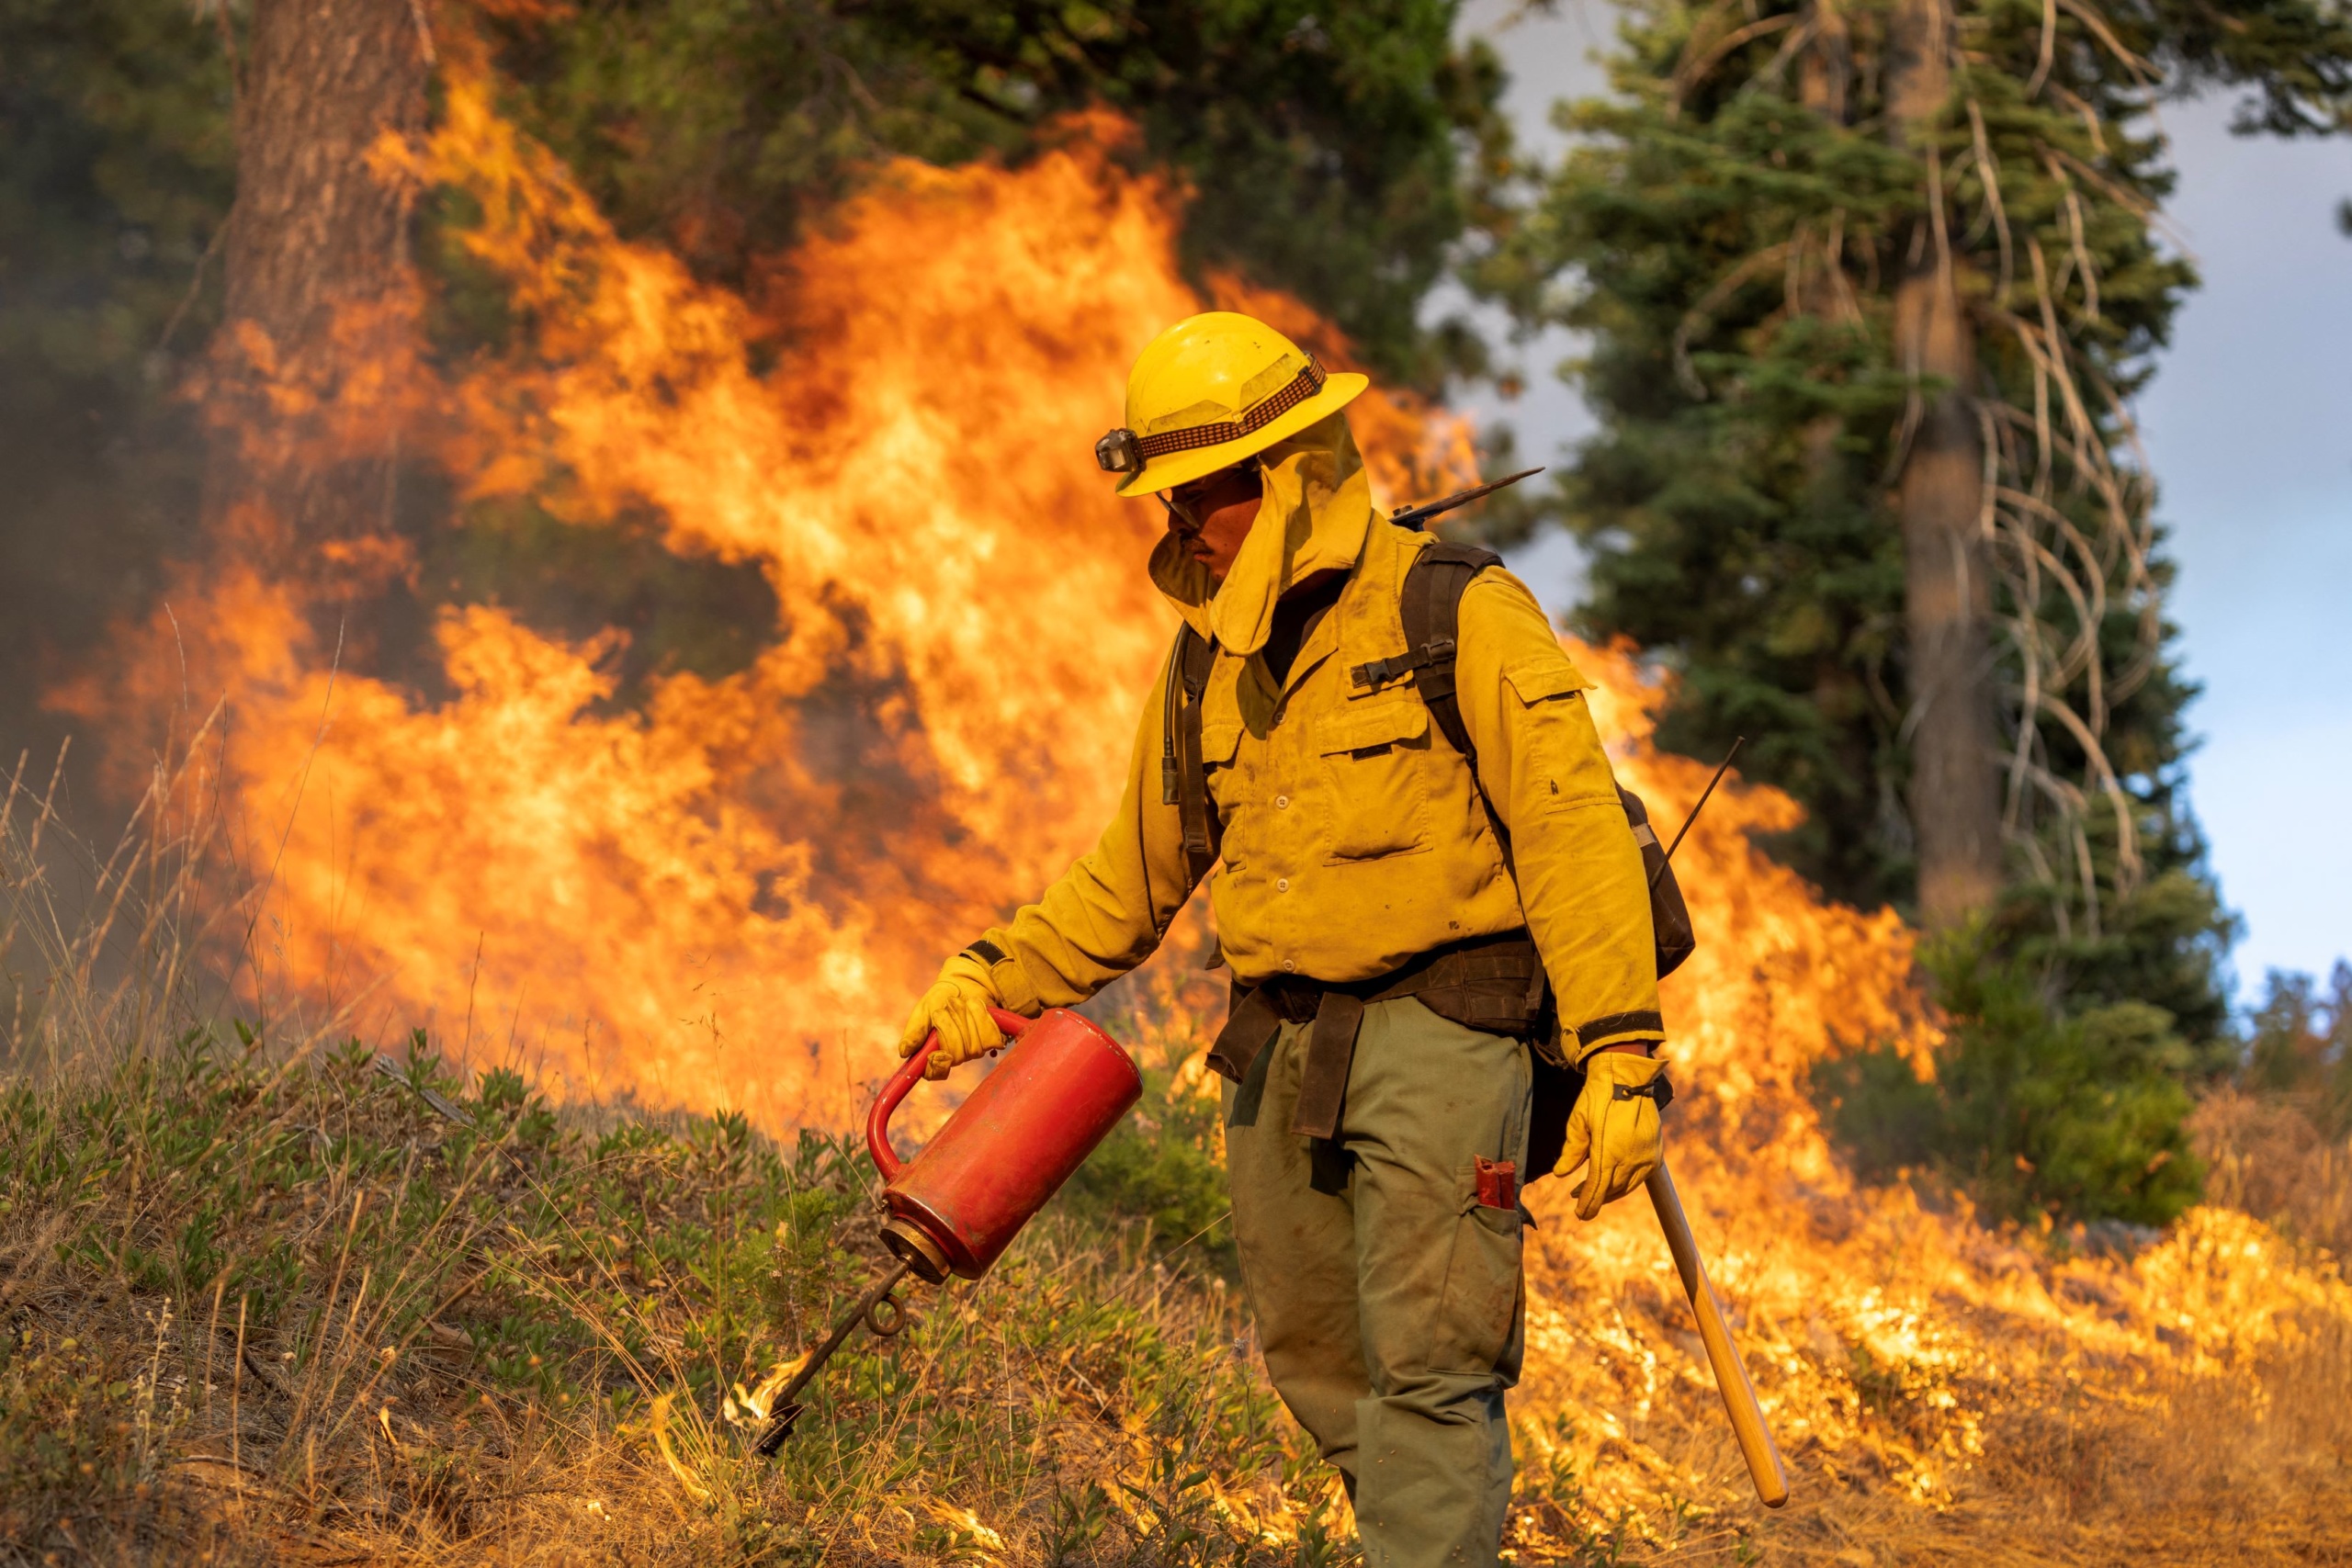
[{"x": 297, "y": 1300}]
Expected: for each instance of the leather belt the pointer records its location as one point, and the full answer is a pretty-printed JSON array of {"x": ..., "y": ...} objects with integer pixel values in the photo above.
[{"x": 1494, "y": 983}]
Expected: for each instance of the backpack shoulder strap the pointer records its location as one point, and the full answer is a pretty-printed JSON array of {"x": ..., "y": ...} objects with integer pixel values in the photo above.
[
  {"x": 1432, "y": 613},
  {"x": 1197, "y": 657},
  {"x": 1183, "y": 772},
  {"x": 1432, "y": 608}
]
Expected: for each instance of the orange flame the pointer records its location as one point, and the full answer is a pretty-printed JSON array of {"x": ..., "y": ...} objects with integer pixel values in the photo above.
[{"x": 729, "y": 898}]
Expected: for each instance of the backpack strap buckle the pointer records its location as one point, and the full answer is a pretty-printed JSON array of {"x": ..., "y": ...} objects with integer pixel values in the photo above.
[{"x": 1380, "y": 671}]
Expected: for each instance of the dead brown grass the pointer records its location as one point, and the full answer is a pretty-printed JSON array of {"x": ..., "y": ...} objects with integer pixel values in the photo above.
[
  {"x": 2267, "y": 1155},
  {"x": 1948, "y": 1392}
]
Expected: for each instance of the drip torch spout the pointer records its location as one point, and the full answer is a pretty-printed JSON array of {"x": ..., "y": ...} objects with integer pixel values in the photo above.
[{"x": 883, "y": 1317}]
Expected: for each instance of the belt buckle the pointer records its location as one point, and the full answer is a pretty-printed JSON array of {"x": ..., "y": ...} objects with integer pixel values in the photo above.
[{"x": 1297, "y": 1001}]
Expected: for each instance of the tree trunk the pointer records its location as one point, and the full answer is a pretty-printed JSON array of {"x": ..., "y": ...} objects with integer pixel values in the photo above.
[
  {"x": 1955, "y": 781},
  {"x": 1826, "y": 70},
  {"x": 309, "y": 368},
  {"x": 1824, "y": 74}
]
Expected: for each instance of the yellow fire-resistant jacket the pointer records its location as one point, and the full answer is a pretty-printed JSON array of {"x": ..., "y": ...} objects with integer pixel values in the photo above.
[{"x": 1354, "y": 839}]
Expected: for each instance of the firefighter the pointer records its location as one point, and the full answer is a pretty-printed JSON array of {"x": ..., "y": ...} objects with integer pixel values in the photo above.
[{"x": 1416, "y": 929}]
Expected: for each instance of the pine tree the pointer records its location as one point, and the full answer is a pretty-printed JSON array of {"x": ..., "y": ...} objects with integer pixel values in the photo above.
[
  {"x": 116, "y": 164},
  {"x": 1323, "y": 145},
  {"x": 1869, "y": 289},
  {"x": 318, "y": 288}
]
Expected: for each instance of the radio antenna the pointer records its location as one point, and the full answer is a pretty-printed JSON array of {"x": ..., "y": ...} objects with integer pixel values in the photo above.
[{"x": 1721, "y": 769}]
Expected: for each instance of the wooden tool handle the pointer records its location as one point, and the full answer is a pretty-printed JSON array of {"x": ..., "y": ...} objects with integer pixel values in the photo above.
[{"x": 1731, "y": 1375}]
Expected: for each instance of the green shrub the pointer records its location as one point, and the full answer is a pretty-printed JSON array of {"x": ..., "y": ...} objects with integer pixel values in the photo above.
[
  {"x": 2076, "y": 1114},
  {"x": 2300, "y": 1046}
]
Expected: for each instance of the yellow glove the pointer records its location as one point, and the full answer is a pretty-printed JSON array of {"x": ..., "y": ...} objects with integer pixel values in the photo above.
[
  {"x": 1614, "y": 1138},
  {"x": 957, "y": 1007}
]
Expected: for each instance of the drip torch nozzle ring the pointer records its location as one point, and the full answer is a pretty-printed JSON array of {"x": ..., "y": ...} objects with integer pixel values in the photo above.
[
  {"x": 886, "y": 1317},
  {"x": 922, "y": 1255}
]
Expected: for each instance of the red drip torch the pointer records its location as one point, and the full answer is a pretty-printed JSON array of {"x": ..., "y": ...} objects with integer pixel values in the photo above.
[{"x": 955, "y": 1208}]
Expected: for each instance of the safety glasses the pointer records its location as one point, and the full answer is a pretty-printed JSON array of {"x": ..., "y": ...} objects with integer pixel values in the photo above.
[{"x": 1188, "y": 504}]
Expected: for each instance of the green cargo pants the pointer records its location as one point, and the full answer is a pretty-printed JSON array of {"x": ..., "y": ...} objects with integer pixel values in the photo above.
[{"x": 1387, "y": 1298}]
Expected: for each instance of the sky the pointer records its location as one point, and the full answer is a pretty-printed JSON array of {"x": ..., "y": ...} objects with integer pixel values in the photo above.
[{"x": 2248, "y": 426}]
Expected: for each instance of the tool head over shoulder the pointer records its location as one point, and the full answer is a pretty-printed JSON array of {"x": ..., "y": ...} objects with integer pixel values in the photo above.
[{"x": 1211, "y": 390}]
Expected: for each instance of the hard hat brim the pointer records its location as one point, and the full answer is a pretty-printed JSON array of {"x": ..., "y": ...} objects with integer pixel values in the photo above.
[{"x": 1339, "y": 391}]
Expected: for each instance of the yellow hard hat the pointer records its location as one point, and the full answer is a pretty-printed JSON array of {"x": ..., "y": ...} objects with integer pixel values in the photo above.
[{"x": 1211, "y": 390}]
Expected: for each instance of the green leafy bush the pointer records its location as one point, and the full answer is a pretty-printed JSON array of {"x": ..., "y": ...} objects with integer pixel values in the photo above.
[{"x": 2077, "y": 1113}]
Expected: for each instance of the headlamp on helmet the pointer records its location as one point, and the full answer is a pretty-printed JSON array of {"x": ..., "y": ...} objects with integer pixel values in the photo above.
[
  {"x": 1211, "y": 390},
  {"x": 1118, "y": 452}
]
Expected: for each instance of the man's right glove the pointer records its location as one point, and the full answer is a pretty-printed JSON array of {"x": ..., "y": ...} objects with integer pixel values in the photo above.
[
  {"x": 957, "y": 1007},
  {"x": 1613, "y": 1132}
]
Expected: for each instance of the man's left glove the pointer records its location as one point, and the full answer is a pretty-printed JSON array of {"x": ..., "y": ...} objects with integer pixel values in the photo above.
[
  {"x": 957, "y": 1007},
  {"x": 1613, "y": 1132}
]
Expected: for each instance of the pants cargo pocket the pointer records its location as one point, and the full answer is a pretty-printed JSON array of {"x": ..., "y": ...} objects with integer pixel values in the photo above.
[{"x": 1479, "y": 1304}]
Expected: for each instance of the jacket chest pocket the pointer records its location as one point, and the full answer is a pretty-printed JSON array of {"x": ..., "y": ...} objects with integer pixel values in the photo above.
[
  {"x": 1375, "y": 769},
  {"x": 1228, "y": 786}
]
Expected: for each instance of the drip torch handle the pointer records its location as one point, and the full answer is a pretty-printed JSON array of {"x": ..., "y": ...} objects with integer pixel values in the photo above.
[{"x": 877, "y": 1120}]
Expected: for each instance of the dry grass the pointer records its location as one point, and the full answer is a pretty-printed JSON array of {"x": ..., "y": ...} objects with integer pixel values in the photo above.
[
  {"x": 286, "y": 1312},
  {"x": 261, "y": 1302},
  {"x": 2187, "y": 1403},
  {"x": 2266, "y": 1154},
  {"x": 280, "y": 1299},
  {"x": 2103, "y": 1466}
]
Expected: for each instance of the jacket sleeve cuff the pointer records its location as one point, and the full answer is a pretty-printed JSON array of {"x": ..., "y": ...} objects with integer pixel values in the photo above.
[
  {"x": 1615, "y": 1029},
  {"x": 1011, "y": 982}
]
